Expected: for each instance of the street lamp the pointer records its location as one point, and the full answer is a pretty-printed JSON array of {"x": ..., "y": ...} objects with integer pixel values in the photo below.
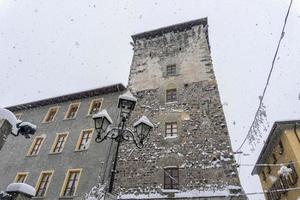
[{"x": 119, "y": 133}]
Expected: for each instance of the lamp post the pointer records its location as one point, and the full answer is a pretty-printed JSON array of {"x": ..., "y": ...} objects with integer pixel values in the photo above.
[{"x": 121, "y": 133}]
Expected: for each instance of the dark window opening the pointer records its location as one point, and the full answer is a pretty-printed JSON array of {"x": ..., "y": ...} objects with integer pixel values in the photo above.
[
  {"x": 171, "y": 95},
  {"x": 171, "y": 178},
  {"x": 171, "y": 70},
  {"x": 281, "y": 149},
  {"x": 171, "y": 128}
]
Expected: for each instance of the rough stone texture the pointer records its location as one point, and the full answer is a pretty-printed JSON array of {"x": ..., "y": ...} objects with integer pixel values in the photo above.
[
  {"x": 202, "y": 150},
  {"x": 5, "y": 130},
  {"x": 94, "y": 161}
]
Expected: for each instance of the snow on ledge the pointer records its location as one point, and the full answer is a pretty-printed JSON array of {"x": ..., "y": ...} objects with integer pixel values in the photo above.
[
  {"x": 177, "y": 194},
  {"x": 22, "y": 188},
  {"x": 171, "y": 136}
]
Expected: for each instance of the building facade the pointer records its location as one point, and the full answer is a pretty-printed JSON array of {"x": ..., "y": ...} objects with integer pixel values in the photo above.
[
  {"x": 61, "y": 161},
  {"x": 187, "y": 156},
  {"x": 189, "y": 153},
  {"x": 280, "y": 154}
]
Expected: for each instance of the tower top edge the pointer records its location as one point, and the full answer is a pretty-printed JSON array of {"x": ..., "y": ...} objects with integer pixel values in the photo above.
[{"x": 166, "y": 29}]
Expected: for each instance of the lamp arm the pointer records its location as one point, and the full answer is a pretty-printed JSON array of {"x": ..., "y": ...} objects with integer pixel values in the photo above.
[
  {"x": 112, "y": 133},
  {"x": 130, "y": 135}
]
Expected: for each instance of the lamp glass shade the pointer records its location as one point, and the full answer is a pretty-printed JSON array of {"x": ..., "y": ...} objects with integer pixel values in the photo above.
[
  {"x": 143, "y": 131},
  {"x": 101, "y": 124},
  {"x": 126, "y": 102},
  {"x": 126, "y": 105}
]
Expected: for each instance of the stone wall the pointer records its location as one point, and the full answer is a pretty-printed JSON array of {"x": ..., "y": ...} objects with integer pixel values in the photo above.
[{"x": 202, "y": 149}]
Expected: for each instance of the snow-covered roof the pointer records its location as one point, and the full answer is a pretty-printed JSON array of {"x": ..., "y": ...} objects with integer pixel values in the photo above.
[
  {"x": 69, "y": 97},
  {"x": 144, "y": 120},
  {"x": 10, "y": 117},
  {"x": 128, "y": 96},
  {"x": 103, "y": 113},
  {"x": 22, "y": 188}
]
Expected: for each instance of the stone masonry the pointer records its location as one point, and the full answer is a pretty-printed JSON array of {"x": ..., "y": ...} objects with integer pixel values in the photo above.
[
  {"x": 5, "y": 130},
  {"x": 201, "y": 150}
]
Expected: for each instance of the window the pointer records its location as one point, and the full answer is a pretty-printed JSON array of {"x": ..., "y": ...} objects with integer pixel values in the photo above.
[
  {"x": 171, "y": 129},
  {"x": 18, "y": 115},
  {"x": 171, "y": 70},
  {"x": 269, "y": 169},
  {"x": 71, "y": 182},
  {"x": 95, "y": 106},
  {"x": 72, "y": 111},
  {"x": 171, "y": 95},
  {"x": 274, "y": 158},
  {"x": 171, "y": 178},
  {"x": 84, "y": 140},
  {"x": 49, "y": 117},
  {"x": 21, "y": 177},
  {"x": 35, "y": 146},
  {"x": 59, "y": 142},
  {"x": 297, "y": 134},
  {"x": 43, "y": 183},
  {"x": 263, "y": 176},
  {"x": 281, "y": 149}
]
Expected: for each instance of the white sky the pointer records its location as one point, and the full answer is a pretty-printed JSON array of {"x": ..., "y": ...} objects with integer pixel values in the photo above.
[{"x": 50, "y": 48}]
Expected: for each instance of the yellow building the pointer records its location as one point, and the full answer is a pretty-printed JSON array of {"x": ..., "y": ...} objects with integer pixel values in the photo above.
[{"x": 281, "y": 153}]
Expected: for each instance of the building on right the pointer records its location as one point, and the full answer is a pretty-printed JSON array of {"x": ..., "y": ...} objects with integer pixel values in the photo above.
[{"x": 278, "y": 165}]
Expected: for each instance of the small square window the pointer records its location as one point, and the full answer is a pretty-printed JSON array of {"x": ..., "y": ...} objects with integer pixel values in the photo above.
[
  {"x": 95, "y": 106},
  {"x": 84, "y": 140},
  {"x": 21, "y": 177},
  {"x": 59, "y": 142},
  {"x": 43, "y": 183},
  {"x": 281, "y": 148},
  {"x": 71, "y": 182},
  {"x": 269, "y": 169},
  {"x": 171, "y": 129},
  {"x": 49, "y": 117},
  {"x": 35, "y": 146},
  {"x": 171, "y": 95},
  {"x": 274, "y": 158},
  {"x": 263, "y": 176},
  {"x": 171, "y": 178},
  {"x": 171, "y": 70},
  {"x": 72, "y": 111},
  {"x": 297, "y": 133}
]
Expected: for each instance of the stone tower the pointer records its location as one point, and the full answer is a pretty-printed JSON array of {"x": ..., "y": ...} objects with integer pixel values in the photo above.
[{"x": 189, "y": 154}]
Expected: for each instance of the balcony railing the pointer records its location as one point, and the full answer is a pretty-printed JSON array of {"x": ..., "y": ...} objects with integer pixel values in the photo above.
[{"x": 282, "y": 184}]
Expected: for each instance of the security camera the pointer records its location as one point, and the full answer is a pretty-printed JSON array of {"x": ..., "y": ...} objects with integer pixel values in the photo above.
[{"x": 26, "y": 129}]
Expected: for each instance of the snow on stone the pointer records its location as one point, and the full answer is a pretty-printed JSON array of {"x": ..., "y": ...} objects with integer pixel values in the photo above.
[
  {"x": 177, "y": 194},
  {"x": 284, "y": 170},
  {"x": 128, "y": 96},
  {"x": 171, "y": 136},
  {"x": 103, "y": 113},
  {"x": 198, "y": 193},
  {"x": 22, "y": 188},
  {"x": 272, "y": 178},
  {"x": 144, "y": 120},
  {"x": 11, "y": 118}
]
